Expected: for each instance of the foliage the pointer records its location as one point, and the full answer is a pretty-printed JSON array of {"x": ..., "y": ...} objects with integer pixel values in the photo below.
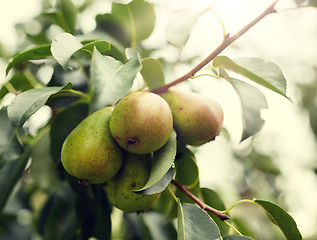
[{"x": 90, "y": 73}]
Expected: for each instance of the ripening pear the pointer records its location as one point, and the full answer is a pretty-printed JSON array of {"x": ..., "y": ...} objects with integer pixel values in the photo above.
[
  {"x": 89, "y": 152},
  {"x": 197, "y": 119},
  {"x": 141, "y": 122},
  {"x": 133, "y": 175}
]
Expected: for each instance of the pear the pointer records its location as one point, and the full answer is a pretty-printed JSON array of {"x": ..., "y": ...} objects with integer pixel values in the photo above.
[
  {"x": 89, "y": 152},
  {"x": 197, "y": 119},
  {"x": 141, "y": 122},
  {"x": 133, "y": 175}
]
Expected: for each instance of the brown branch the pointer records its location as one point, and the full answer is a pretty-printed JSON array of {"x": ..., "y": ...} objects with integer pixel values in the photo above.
[
  {"x": 200, "y": 203},
  {"x": 225, "y": 43}
]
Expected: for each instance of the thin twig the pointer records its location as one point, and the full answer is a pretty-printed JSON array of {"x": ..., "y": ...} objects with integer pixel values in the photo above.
[
  {"x": 200, "y": 203},
  {"x": 225, "y": 43}
]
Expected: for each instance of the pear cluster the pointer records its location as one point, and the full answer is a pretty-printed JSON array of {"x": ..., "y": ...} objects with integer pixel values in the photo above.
[{"x": 114, "y": 144}]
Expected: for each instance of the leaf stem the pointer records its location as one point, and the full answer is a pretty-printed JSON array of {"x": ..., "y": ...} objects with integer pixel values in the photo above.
[
  {"x": 222, "y": 216},
  {"x": 224, "y": 44},
  {"x": 241, "y": 201},
  {"x": 237, "y": 231}
]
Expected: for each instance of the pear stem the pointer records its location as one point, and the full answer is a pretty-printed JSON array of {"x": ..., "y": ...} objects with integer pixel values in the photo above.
[
  {"x": 224, "y": 44},
  {"x": 200, "y": 203}
]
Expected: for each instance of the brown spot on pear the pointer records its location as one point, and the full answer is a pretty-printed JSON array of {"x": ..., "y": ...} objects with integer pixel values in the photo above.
[
  {"x": 89, "y": 152},
  {"x": 141, "y": 122},
  {"x": 197, "y": 119},
  {"x": 133, "y": 175}
]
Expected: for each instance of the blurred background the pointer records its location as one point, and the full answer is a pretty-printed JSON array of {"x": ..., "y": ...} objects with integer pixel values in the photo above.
[{"x": 280, "y": 163}]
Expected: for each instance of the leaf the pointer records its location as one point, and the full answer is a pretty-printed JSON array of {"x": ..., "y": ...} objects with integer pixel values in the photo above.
[
  {"x": 43, "y": 168},
  {"x": 103, "y": 46},
  {"x": 180, "y": 24},
  {"x": 267, "y": 74},
  {"x": 111, "y": 80},
  {"x": 162, "y": 160},
  {"x": 252, "y": 102},
  {"x": 128, "y": 23},
  {"x": 137, "y": 18},
  {"x": 93, "y": 214},
  {"x": 63, "y": 47},
  {"x": 157, "y": 226},
  {"x": 65, "y": 16},
  {"x": 237, "y": 237},
  {"x": 152, "y": 73},
  {"x": 160, "y": 185},
  {"x": 282, "y": 219},
  {"x": 27, "y": 103},
  {"x": 212, "y": 199},
  {"x": 198, "y": 224},
  {"x": 187, "y": 172},
  {"x": 39, "y": 52},
  {"x": 180, "y": 222}
]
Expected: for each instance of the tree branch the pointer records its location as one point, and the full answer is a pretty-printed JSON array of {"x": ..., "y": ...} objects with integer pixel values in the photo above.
[
  {"x": 201, "y": 204},
  {"x": 225, "y": 43}
]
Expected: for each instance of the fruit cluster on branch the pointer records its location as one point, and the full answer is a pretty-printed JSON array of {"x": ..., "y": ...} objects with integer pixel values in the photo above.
[{"x": 113, "y": 145}]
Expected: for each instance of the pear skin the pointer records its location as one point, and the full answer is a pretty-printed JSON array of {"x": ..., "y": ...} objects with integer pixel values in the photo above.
[
  {"x": 197, "y": 119},
  {"x": 141, "y": 122},
  {"x": 89, "y": 152},
  {"x": 133, "y": 175}
]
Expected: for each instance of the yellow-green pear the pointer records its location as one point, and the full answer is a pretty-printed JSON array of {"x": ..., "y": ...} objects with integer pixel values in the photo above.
[
  {"x": 89, "y": 152},
  {"x": 197, "y": 119},
  {"x": 133, "y": 175},
  {"x": 141, "y": 122}
]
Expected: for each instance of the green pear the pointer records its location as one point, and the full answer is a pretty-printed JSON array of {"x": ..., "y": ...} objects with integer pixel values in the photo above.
[
  {"x": 197, "y": 119},
  {"x": 89, "y": 152},
  {"x": 133, "y": 175},
  {"x": 141, "y": 122}
]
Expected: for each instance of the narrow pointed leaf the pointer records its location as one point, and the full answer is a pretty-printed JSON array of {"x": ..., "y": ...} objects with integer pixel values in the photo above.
[
  {"x": 162, "y": 161},
  {"x": 39, "y": 52},
  {"x": 69, "y": 13},
  {"x": 180, "y": 222},
  {"x": 27, "y": 103},
  {"x": 282, "y": 219},
  {"x": 111, "y": 80},
  {"x": 198, "y": 224},
  {"x": 252, "y": 102},
  {"x": 152, "y": 73},
  {"x": 267, "y": 74}
]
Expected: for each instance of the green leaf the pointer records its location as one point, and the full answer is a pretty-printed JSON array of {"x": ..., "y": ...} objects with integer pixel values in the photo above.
[
  {"x": 64, "y": 16},
  {"x": 66, "y": 45},
  {"x": 187, "y": 172},
  {"x": 43, "y": 168},
  {"x": 39, "y": 52},
  {"x": 136, "y": 18},
  {"x": 158, "y": 228},
  {"x": 180, "y": 222},
  {"x": 267, "y": 74},
  {"x": 63, "y": 47},
  {"x": 212, "y": 199},
  {"x": 111, "y": 80},
  {"x": 198, "y": 224},
  {"x": 27, "y": 103},
  {"x": 152, "y": 73},
  {"x": 162, "y": 161},
  {"x": 282, "y": 219},
  {"x": 237, "y": 237},
  {"x": 160, "y": 185},
  {"x": 93, "y": 214},
  {"x": 252, "y": 102},
  {"x": 180, "y": 24}
]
